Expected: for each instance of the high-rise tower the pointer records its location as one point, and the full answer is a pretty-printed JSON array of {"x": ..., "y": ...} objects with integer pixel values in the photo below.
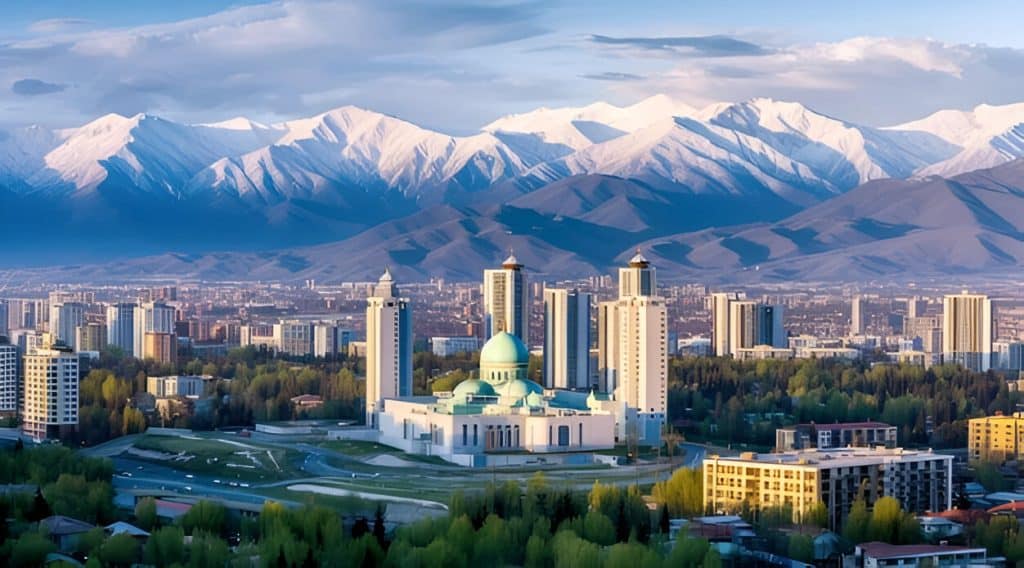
[
  {"x": 506, "y": 301},
  {"x": 388, "y": 347}
]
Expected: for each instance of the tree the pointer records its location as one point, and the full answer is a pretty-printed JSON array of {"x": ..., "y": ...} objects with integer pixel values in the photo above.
[
  {"x": 598, "y": 529},
  {"x": 119, "y": 550},
  {"x": 165, "y": 547},
  {"x": 801, "y": 548},
  {"x": 204, "y": 516},
  {"x": 379, "y": 531},
  {"x": 208, "y": 551},
  {"x": 145, "y": 513},
  {"x": 891, "y": 524},
  {"x": 30, "y": 550},
  {"x": 857, "y": 523},
  {"x": 40, "y": 508}
]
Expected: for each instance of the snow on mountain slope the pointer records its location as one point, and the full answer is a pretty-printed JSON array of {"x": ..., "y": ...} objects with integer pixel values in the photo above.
[
  {"x": 703, "y": 158},
  {"x": 989, "y": 135},
  {"x": 153, "y": 155},
  {"x": 22, "y": 151},
  {"x": 574, "y": 128},
  {"x": 843, "y": 153},
  {"x": 351, "y": 146}
]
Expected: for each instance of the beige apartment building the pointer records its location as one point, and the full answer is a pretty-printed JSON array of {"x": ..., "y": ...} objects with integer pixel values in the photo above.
[
  {"x": 920, "y": 480},
  {"x": 996, "y": 438}
]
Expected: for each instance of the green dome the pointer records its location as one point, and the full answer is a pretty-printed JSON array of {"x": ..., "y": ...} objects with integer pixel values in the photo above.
[
  {"x": 504, "y": 349},
  {"x": 473, "y": 387},
  {"x": 519, "y": 389}
]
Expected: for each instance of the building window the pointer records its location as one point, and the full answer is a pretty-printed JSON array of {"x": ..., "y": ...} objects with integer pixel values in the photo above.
[
  {"x": 563, "y": 435},
  {"x": 465, "y": 434},
  {"x": 475, "y": 435}
]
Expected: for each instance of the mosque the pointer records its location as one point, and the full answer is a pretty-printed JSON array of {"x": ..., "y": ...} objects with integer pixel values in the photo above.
[{"x": 500, "y": 412}]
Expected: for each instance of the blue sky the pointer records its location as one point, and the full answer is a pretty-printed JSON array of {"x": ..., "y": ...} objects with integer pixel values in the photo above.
[{"x": 455, "y": 65}]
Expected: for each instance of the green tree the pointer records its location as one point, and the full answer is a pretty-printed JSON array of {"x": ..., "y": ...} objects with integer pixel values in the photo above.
[
  {"x": 208, "y": 551},
  {"x": 204, "y": 516},
  {"x": 598, "y": 529},
  {"x": 30, "y": 550},
  {"x": 165, "y": 547},
  {"x": 801, "y": 548},
  {"x": 858, "y": 523},
  {"x": 145, "y": 513},
  {"x": 119, "y": 550}
]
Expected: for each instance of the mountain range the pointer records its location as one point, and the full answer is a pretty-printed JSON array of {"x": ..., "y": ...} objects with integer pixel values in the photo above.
[{"x": 761, "y": 189}]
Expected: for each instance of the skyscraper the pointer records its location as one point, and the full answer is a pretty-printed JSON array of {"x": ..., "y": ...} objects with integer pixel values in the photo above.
[
  {"x": 50, "y": 392},
  {"x": 4, "y": 317},
  {"x": 150, "y": 317},
  {"x": 633, "y": 357},
  {"x": 9, "y": 382},
  {"x": 121, "y": 327},
  {"x": 388, "y": 347},
  {"x": 857, "y": 315},
  {"x": 720, "y": 314},
  {"x": 90, "y": 337},
  {"x": 161, "y": 347},
  {"x": 65, "y": 317},
  {"x": 566, "y": 339},
  {"x": 506, "y": 301},
  {"x": 753, "y": 323},
  {"x": 637, "y": 279},
  {"x": 967, "y": 330}
]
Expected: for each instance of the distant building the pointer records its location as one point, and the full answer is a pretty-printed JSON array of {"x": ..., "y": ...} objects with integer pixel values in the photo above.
[
  {"x": 150, "y": 317},
  {"x": 329, "y": 340},
  {"x": 294, "y": 338},
  {"x": 121, "y": 327},
  {"x": 506, "y": 300},
  {"x": 50, "y": 405},
  {"x": 91, "y": 337},
  {"x": 161, "y": 347},
  {"x": 760, "y": 352},
  {"x": 695, "y": 347},
  {"x": 926, "y": 328},
  {"x": 967, "y": 331},
  {"x": 65, "y": 317},
  {"x": 307, "y": 401},
  {"x": 752, "y": 324},
  {"x": 857, "y": 315},
  {"x": 567, "y": 341},
  {"x": 828, "y": 353},
  {"x": 178, "y": 385},
  {"x": 448, "y": 346},
  {"x": 9, "y": 381},
  {"x": 720, "y": 313},
  {"x": 919, "y": 480},
  {"x": 838, "y": 435},
  {"x": 996, "y": 438},
  {"x": 388, "y": 347}
]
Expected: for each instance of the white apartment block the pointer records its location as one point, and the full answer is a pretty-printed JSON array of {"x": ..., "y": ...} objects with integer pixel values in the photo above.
[{"x": 50, "y": 393}]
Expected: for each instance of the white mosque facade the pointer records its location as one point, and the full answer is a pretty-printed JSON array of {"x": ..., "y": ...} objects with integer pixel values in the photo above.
[{"x": 500, "y": 413}]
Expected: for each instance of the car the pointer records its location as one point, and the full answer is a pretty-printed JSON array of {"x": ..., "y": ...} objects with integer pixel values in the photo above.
[
  {"x": 126, "y": 474},
  {"x": 188, "y": 488},
  {"x": 189, "y": 476},
  {"x": 243, "y": 484},
  {"x": 233, "y": 484},
  {"x": 139, "y": 468},
  {"x": 217, "y": 481}
]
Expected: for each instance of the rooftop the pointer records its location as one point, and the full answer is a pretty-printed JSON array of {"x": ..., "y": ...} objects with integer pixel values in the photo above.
[
  {"x": 881, "y": 550},
  {"x": 833, "y": 457}
]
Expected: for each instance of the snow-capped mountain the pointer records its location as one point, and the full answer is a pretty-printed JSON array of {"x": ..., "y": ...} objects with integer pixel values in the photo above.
[
  {"x": 845, "y": 154},
  {"x": 987, "y": 136},
  {"x": 352, "y": 147},
  {"x": 330, "y": 176}
]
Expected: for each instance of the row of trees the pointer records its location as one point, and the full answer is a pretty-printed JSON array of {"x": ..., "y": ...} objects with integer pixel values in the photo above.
[{"x": 744, "y": 402}]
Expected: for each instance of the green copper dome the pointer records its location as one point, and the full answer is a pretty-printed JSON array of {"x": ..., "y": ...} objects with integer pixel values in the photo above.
[
  {"x": 519, "y": 389},
  {"x": 472, "y": 387},
  {"x": 504, "y": 349}
]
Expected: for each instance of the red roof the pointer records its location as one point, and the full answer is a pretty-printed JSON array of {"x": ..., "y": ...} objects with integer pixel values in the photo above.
[
  {"x": 963, "y": 516},
  {"x": 1011, "y": 507},
  {"x": 882, "y": 550}
]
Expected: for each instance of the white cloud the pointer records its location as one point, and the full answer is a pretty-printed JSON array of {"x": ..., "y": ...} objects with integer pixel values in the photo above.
[{"x": 865, "y": 79}]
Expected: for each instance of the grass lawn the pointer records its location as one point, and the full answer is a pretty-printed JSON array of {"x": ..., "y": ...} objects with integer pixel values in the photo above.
[
  {"x": 217, "y": 458},
  {"x": 358, "y": 449}
]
